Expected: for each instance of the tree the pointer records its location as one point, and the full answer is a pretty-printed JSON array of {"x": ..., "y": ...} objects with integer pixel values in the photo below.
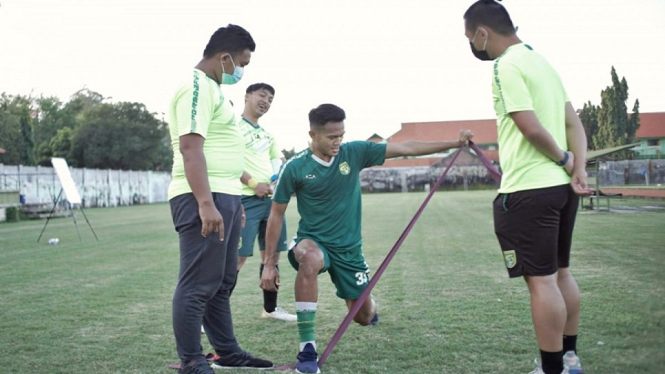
[
  {"x": 53, "y": 116},
  {"x": 50, "y": 119},
  {"x": 83, "y": 100},
  {"x": 164, "y": 153},
  {"x": 589, "y": 117},
  {"x": 615, "y": 127},
  {"x": 633, "y": 123},
  {"x": 9, "y": 131},
  {"x": 26, "y": 139},
  {"x": 61, "y": 144},
  {"x": 118, "y": 136},
  {"x": 16, "y": 129}
]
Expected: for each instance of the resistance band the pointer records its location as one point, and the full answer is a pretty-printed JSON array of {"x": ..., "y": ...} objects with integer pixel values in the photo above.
[{"x": 496, "y": 175}]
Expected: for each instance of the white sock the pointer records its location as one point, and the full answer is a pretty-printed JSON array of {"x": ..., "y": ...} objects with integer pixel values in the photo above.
[{"x": 302, "y": 306}]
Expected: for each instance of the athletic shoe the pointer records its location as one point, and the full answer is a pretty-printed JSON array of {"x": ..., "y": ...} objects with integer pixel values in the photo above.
[
  {"x": 307, "y": 360},
  {"x": 194, "y": 367},
  {"x": 374, "y": 320},
  {"x": 539, "y": 369},
  {"x": 572, "y": 363},
  {"x": 240, "y": 360},
  {"x": 280, "y": 314}
]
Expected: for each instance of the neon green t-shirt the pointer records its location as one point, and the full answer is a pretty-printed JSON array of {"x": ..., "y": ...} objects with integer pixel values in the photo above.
[
  {"x": 260, "y": 149},
  {"x": 328, "y": 193},
  {"x": 199, "y": 107},
  {"x": 523, "y": 80}
]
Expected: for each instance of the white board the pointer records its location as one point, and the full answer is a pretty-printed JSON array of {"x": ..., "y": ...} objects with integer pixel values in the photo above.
[{"x": 62, "y": 169}]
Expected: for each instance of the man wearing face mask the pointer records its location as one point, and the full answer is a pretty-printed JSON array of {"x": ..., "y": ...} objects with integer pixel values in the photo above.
[
  {"x": 204, "y": 195},
  {"x": 542, "y": 150},
  {"x": 326, "y": 181}
]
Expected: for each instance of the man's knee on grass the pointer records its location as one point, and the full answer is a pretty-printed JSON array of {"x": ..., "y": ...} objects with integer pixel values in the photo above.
[{"x": 366, "y": 313}]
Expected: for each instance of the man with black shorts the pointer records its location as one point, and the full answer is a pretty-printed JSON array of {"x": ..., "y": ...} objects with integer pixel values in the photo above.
[{"x": 542, "y": 150}]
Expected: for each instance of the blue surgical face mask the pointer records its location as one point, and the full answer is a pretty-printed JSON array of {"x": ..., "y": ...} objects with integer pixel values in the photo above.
[{"x": 232, "y": 78}]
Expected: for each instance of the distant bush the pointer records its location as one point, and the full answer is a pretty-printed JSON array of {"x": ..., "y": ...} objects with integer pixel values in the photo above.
[{"x": 13, "y": 214}]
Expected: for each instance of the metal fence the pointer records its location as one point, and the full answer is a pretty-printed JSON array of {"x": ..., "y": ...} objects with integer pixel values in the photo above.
[
  {"x": 631, "y": 172},
  {"x": 408, "y": 179}
]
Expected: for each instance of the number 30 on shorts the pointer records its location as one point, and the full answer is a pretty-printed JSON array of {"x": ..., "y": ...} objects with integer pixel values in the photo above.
[{"x": 362, "y": 277}]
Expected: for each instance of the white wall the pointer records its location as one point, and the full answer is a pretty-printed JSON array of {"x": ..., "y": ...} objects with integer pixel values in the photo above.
[{"x": 98, "y": 188}]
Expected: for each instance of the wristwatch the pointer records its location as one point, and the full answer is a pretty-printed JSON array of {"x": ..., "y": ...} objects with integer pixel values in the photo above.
[{"x": 563, "y": 160}]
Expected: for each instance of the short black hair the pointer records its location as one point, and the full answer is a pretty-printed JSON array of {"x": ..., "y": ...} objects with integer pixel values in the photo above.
[
  {"x": 325, "y": 113},
  {"x": 491, "y": 14},
  {"x": 260, "y": 86},
  {"x": 232, "y": 38}
]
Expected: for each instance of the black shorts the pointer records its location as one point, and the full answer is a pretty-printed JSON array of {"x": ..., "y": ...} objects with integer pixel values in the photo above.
[{"x": 535, "y": 229}]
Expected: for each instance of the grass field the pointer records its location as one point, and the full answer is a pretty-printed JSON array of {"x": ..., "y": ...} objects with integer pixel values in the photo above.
[{"x": 446, "y": 303}]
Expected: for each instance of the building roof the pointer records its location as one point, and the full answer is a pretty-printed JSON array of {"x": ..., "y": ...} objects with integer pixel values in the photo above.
[
  {"x": 409, "y": 162},
  {"x": 484, "y": 131},
  {"x": 592, "y": 155},
  {"x": 436, "y": 159},
  {"x": 652, "y": 125},
  {"x": 376, "y": 138},
  {"x": 466, "y": 158}
]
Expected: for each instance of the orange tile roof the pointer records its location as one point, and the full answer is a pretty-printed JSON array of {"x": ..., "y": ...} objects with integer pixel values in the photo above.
[
  {"x": 429, "y": 161},
  {"x": 376, "y": 138},
  {"x": 409, "y": 162},
  {"x": 652, "y": 125},
  {"x": 484, "y": 131}
]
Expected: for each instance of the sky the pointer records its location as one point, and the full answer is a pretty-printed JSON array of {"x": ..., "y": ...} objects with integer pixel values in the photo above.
[{"x": 385, "y": 62}]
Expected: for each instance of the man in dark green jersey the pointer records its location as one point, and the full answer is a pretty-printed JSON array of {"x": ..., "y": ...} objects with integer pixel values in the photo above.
[{"x": 325, "y": 179}]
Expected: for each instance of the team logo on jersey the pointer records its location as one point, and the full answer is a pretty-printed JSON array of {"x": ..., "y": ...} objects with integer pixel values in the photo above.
[
  {"x": 344, "y": 168},
  {"x": 510, "y": 258},
  {"x": 310, "y": 176}
]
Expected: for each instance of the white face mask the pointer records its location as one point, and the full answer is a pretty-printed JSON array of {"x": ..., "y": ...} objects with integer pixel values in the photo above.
[{"x": 232, "y": 78}]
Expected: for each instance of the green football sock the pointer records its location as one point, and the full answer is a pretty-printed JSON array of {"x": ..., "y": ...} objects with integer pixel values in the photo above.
[{"x": 306, "y": 321}]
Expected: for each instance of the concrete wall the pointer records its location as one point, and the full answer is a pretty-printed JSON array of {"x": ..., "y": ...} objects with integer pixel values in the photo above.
[{"x": 98, "y": 188}]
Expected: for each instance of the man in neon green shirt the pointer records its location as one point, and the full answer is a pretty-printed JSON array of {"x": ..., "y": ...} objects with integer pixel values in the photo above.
[
  {"x": 326, "y": 181},
  {"x": 262, "y": 161},
  {"x": 542, "y": 151},
  {"x": 204, "y": 195}
]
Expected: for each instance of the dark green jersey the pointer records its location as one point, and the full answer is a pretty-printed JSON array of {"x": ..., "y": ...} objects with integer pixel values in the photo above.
[{"x": 329, "y": 199}]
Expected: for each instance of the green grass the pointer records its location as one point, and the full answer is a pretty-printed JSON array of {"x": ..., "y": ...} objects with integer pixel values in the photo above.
[{"x": 446, "y": 303}]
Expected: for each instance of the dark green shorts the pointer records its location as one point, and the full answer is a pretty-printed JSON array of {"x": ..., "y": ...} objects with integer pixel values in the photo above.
[
  {"x": 348, "y": 269},
  {"x": 256, "y": 220}
]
